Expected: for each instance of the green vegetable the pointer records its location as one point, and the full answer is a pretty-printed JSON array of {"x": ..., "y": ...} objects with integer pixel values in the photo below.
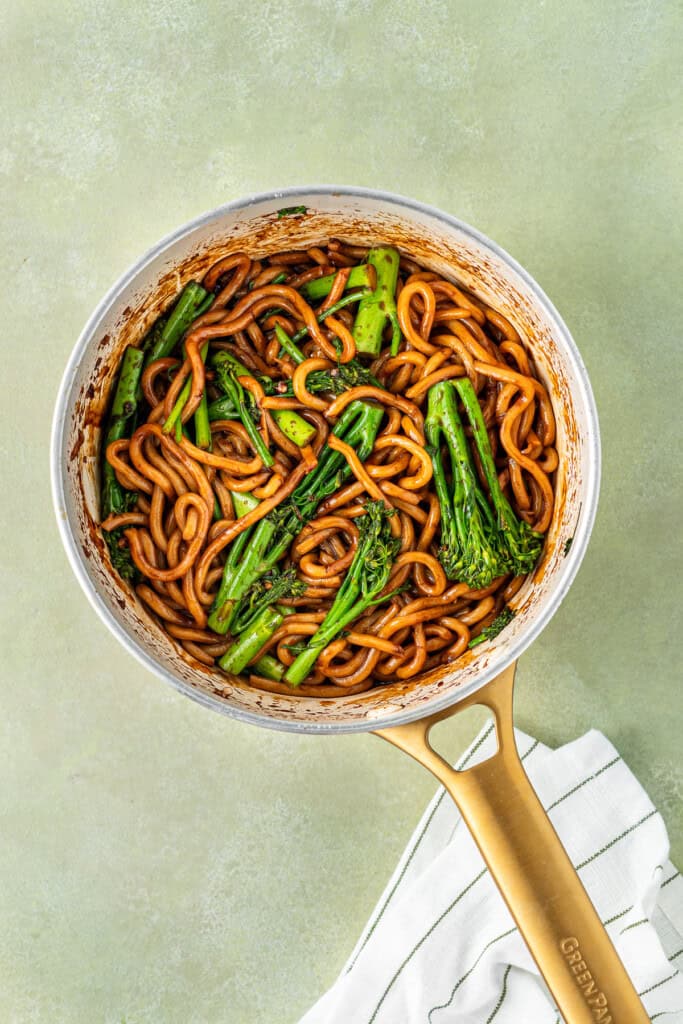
[
  {"x": 288, "y": 346},
  {"x": 293, "y": 426},
  {"x": 337, "y": 380},
  {"x": 272, "y": 535},
  {"x": 174, "y": 419},
  {"x": 366, "y": 578},
  {"x": 360, "y": 277},
  {"x": 257, "y": 618},
  {"x": 120, "y": 556},
  {"x": 269, "y": 667},
  {"x": 151, "y": 342},
  {"x": 202, "y": 426},
  {"x": 470, "y": 548},
  {"x": 478, "y": 543},
  {"x": 492, "y": 631},
  {"x": 124, "y": 404},
  {"x": 260, "y": 630},
  {"x": 242, "y": 503},
  {"x": 119, "y": 551},
  {"x": 267, "y": 590},
  {"x": 345, "y": 300},
  {"x": 121, "y": 424},
  {"x": 521, "y": 544},
  {"x": 193, "y": 301},
  {"x": 227, "y": 373},
  {"x": 116, "y": 499},
  {"x": 222, "y": 409},
  {"x": 379, "y": 307},
  {"x": 289, "y": 211}
]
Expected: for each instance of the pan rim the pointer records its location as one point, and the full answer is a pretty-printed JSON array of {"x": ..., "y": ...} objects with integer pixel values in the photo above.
[{"x": 450, "y": 696}]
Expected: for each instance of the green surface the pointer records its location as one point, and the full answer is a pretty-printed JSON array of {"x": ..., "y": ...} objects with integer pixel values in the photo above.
[{"x": 160, "y": 864}]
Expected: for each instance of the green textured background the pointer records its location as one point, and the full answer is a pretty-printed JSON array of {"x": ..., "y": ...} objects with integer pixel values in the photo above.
[{"x": 160, "y": 864}]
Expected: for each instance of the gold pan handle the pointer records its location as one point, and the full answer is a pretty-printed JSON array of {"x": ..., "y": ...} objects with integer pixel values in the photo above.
[{"x": 537, "y": 880}]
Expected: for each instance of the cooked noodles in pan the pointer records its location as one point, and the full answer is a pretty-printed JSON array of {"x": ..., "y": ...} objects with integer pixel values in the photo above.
[{"x": 327, "y": 469}]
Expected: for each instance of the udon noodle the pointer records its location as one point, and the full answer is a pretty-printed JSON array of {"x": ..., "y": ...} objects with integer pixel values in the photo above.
[{"x": 190, "y": 483}]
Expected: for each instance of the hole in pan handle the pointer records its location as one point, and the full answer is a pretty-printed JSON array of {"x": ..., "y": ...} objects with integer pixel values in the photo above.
[{"x": 537, "y": 880}]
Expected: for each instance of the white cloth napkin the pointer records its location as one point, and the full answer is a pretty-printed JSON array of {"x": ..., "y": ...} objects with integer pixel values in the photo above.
[{"x": 440, "y": 946}]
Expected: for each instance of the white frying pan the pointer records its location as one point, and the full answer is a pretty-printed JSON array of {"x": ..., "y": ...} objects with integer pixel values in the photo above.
[{"x": 524, "y": 855}]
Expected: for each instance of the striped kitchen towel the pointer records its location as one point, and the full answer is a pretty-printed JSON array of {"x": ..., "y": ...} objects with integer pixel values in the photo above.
[{"x": 440, "y": 946}]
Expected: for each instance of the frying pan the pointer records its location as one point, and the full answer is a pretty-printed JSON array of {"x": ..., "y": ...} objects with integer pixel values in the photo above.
[{"x": 523, "y": 853}]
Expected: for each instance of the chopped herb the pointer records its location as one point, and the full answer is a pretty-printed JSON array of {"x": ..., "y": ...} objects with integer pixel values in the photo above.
[
  {"x": 290, "y": 211},
  {"x": 567, "y": 546}
]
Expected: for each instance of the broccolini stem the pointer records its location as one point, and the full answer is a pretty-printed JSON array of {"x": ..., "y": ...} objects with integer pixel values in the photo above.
[
  {"x": 115, "y": 498},
  {"x": 222, "y": 409},
  {"x": 194, "y": 300},
  {"x": 288, "y": 346},
  {"x": 202, "y": 426},
  {"x": 224, "y": 364},
  {"x": 269, "y": 667},
  {"x": 230, "y": 362},
  {"x": 250, "y": 642},
  {"x": 124, "y": 404},
  {"x": 293, "y": 426},
  {"x": 361, "y": 276},
  {"x": 379, "y": 307},
  {"x": 121, "y": 422},
  {"x": 470, "y": 401},
  {"x": 344, "y": 301},
  {"x": 174, "y": 420},
  {"x": 242, "y": 503},
  {"x": 240, "y": 572}
]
